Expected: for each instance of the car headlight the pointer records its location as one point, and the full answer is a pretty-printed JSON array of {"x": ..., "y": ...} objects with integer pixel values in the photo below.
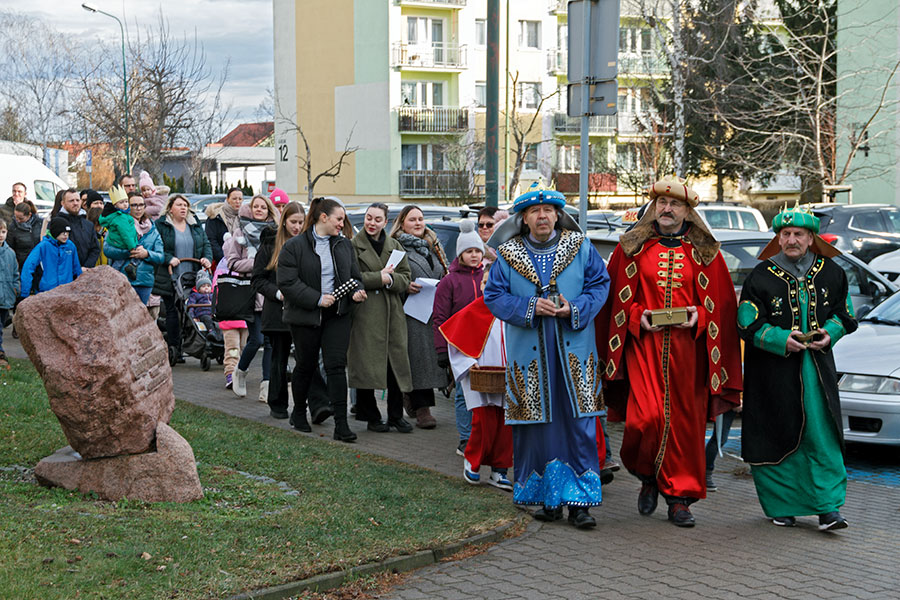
[{"x": 869, "y": 383}]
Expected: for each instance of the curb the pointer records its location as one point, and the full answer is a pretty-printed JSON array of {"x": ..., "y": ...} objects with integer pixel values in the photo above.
[{"x": 397, "y": 564}]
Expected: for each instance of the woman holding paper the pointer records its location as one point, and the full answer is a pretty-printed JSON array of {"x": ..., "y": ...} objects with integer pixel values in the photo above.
[
  {"x": 378, "y": 358},
  {"x": 318, "y": 276},
  {"x": 426, "y": 260}
]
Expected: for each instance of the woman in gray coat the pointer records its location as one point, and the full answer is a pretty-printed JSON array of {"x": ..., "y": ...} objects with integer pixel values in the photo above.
[
  {"x": 426, "y": 259},
  {"x": 379, "y": 324}
]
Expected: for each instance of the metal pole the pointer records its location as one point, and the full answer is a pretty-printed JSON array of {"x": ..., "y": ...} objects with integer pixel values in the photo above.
[
  {"x": 585, "y": 121},
  {"x": 492, "y": 91},
  {"x": 507, "y": 196}
]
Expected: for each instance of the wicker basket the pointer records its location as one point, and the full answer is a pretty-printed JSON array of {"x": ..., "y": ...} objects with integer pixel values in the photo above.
[{"x": 488, "y": 380}]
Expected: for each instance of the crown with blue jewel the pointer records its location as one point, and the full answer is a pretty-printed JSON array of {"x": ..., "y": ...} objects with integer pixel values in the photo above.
[{"x": 538, "y": 194}]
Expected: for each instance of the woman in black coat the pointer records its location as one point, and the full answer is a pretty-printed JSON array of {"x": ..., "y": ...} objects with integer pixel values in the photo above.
[
  {"x": 265, "y": 282},
  {"x": 314, "y": 267}
]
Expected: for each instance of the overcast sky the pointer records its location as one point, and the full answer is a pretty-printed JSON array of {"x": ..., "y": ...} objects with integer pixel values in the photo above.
[{"x": 237, "y": 29}]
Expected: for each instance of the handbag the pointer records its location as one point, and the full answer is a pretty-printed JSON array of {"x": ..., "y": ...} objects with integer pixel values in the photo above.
[{"x": 233, "y": 298}]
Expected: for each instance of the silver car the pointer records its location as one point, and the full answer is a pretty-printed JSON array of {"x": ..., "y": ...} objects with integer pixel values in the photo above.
[{"x": 868, "y": 364}]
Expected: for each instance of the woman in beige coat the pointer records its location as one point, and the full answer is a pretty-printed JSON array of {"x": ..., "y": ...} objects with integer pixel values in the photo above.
[{"x": 378, "y": 356}]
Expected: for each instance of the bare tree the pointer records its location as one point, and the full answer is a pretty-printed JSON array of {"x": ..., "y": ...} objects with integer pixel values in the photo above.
[
  {"x": 37, "y": 65},
  {"x": 521, "y": 128},
  {"x": 792, "y": 88},
  {"x": 168, "y": 86}
]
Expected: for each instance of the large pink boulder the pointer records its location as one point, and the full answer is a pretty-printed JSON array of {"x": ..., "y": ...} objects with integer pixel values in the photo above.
[
  {"x": 168, "y": 474},
  {"x": 103, "y": 362}
]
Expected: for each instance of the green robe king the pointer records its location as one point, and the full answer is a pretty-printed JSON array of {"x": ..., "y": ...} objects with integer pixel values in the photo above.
[{"x": 794, "y": 307}]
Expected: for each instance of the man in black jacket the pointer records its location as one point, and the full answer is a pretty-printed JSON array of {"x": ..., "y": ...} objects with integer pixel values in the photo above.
[
  {"x": 83, "y": 234},
  {"x": 18, "y": 195}
]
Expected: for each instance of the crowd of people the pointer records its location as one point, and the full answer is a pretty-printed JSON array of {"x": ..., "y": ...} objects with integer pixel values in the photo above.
[{"x": 538, "y": 336}]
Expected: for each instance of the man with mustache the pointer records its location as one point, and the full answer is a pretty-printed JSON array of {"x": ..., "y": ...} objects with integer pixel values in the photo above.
[
  {"x": 671, "y": 351},
  {"x": 547, "y": 285},
  {"x": 794, "y": 308}
]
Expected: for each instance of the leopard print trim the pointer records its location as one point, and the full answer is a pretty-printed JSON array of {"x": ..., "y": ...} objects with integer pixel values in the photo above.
[
  {"x": 586, "y": 384},
  {"x": 525, "y": 402}
]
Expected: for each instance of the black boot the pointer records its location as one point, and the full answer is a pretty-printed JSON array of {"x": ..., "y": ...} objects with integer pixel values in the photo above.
[
  {"x": 581, "y": 518},
  {"x": 298, "y": 420},
  {"x": 342, "y": 431}
]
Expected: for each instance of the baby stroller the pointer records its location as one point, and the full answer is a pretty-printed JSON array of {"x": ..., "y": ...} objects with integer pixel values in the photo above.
[{"x": 196, "y": 339}]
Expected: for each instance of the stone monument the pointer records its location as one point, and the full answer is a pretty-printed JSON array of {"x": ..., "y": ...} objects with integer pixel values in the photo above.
[{"x": 105, "y": 367}]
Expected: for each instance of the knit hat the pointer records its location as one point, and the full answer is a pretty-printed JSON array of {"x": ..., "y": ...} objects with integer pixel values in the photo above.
[
  {"x": 468, "y": 237},
  {"x": 58, "y": 226},
  {"x": 202, "y": 279},
  {"x": 145, "y": 181},
  {"x": 92, "y": 196},
  {"x": 279, "y": 197}
]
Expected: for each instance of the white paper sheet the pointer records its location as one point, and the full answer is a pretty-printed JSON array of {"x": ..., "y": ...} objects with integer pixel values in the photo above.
[
  {"x": 419, "y": 306},
  {"x": 395, "y": 258}
]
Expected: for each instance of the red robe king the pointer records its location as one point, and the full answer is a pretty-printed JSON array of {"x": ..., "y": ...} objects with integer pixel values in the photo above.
[{"x": 666, "y": 384}]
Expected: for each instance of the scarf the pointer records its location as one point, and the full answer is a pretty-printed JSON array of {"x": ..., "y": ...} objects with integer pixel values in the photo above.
[
  {"x": 143, "y": 226},
  {"x": 252, "y": 232},
  {"x": 230, "y": 216},
  {"x": 416, "y": 244}
]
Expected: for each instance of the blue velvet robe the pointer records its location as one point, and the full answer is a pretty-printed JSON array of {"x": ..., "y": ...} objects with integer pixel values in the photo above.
[{"x": 554, "y": 425}]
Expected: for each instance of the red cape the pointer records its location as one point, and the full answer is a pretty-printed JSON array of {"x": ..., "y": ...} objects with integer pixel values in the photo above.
[{"x": 468, "y": 329}]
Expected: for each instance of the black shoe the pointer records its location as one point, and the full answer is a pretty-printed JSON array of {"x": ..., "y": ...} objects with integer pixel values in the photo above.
[
  {"x": 648, "y": 498},
  {"x": 278, "y": 414},
  {"x": 401, "y": 425},
  {"x": 299, "y": 422},
  {"x": 342, "y": 433},
  {"x": 831, "y": 521},
  {"x": 606, "y": 476},
  {"x": 710, "y": 484},
  {"x": 378, "y": 427},
  {"x": 548, "y": 514},
  {"x": 681, "y": 515},
  {"x": 461, "y": 447},
  {"x": 581, "y": 518},
  {"x": 321, "y": 415},
  {"x": 784, "y": 521}
]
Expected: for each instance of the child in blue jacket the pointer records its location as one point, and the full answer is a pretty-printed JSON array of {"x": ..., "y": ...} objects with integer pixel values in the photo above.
[
  {"x": 56, "y": 255},
  {"x": 9, "y": 285}
]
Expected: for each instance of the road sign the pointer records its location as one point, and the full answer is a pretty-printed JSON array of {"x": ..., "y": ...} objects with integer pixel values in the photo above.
[
  {"x": 88, "y": 161},
  {"x": 604, "y": 40},
  {"x": 602, "y": 99}
]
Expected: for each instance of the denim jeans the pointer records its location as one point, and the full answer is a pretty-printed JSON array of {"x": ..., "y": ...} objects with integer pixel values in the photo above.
[
  {"x": 254, "y": 341},
  {"x": 463, "y": 416}
]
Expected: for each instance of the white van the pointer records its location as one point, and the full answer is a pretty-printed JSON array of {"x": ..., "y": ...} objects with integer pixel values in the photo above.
[{"x": 41, "y": 183}]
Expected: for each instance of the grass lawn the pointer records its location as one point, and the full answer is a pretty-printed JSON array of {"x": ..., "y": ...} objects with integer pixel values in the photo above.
[{"x": 278, "y": 507}]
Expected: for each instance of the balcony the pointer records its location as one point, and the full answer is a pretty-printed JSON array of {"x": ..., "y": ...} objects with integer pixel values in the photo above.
[
  {"x": 432, "y": 120},
  {"x": 432, "y": 3},
  {"x": 434, "y": 183},
  {"x": 557, "y": 7},
  {"x": 557, "y": 61},
  {"x": 436, "y": 55},
  {"x": 642, "y": 65},
  {"x": 598, "y": 125}
]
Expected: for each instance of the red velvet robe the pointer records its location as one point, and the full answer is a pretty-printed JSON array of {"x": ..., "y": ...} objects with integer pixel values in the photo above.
[{"x": 671, "y": 381}]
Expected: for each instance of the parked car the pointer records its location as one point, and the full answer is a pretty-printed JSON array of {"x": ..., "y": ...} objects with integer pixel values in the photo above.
[
  {"x": 40, "y": 182},
  {"x": 740, "y": 249},
  {"x": 869, "y": 376},
  {"x": 199, "y": 202},
  {"x": 729, "y": 215},
  {"x": 888, "y": 265},
  {"x": 863, "y": 230},
  {"x": 356, "y": 213}
]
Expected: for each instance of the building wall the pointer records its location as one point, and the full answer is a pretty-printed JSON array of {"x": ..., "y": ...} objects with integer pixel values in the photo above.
[{"x": 868, "y": 48}]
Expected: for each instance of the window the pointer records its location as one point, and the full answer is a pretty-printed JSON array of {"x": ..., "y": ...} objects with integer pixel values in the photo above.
[
  {"x": 626, "y": 157},
  {"x": 646, "y": 40},
  {"x": 893, "y": 218},
  {"x": 422, "y": 157},
  {"x": 528, "y": 94},
  {"x": 408, "y": 93},
  {"x": 530, "y": 34},
  {"x": 633, "y": 40},
  {"x": 531, "y": 158},
  {"x": 867, "y": 221},
  {"x": 480, "y": 32},
  {"x": 409, "y": 160},
  {"x": 480, "y": 93},
  {"x": 748, "y": 221},
  {"x": 422, "y": 93},
  {"x": 412, "y": 29}
]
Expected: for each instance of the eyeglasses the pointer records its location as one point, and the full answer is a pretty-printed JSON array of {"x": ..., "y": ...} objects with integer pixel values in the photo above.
[{"x": 484, "y": 225}]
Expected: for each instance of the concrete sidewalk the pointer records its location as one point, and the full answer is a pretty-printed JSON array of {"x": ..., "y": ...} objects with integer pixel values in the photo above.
[{"x": 733, "y": 552}]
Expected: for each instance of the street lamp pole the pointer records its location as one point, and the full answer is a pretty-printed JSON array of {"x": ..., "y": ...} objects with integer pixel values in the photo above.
[{"x": 94, "y": 9}]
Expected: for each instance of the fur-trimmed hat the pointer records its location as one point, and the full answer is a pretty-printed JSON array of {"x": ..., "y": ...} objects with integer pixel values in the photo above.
[
  {"x": 468, "y": 237},
  {"x": 674, "y": 188}
]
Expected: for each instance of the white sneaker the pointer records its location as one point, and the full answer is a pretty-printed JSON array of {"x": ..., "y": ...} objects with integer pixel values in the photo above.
[
  {"x": 239, "y": 383},
  {"x": 469, "y": 475},
  {"x": 499, "y": 480},
  {"x": 264, "y": 390}
]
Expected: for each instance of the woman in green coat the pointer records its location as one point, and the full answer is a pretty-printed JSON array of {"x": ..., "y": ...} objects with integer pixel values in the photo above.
[{"x": 378, "y": 356}]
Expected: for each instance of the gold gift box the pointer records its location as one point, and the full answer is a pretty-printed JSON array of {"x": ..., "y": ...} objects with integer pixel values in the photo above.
[{"x": 668, "y": 316}]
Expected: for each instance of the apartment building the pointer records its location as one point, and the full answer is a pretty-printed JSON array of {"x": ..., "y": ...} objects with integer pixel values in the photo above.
[{"x": 402, "y": 84}]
